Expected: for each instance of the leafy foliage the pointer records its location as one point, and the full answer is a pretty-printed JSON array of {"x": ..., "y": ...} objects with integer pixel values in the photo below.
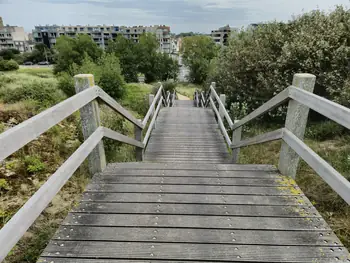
[
  {"x": 197, "y": 53},
  {"x": 34, "y": 164},
  {"x": 8, "y": 65},
  {"x": 261, "y": 62},
  {"x": 8, "y": 54},
  {"x": 43, "y": 91},
  {"x": 144, "y": 58},
  {"x": 72, "y": 51}
]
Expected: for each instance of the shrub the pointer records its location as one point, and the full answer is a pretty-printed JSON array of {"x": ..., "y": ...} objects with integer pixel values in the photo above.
[
  {"x": 11, "y": 65},
  {"x": 4, "y": 185},
  {"x": 261, "y": 62},
  {"x": 34, "y": 164},
  {"x": 66, "y": 84},
  {"x": 111, "y": 79},
  {"x": 42, "y": 91},
  {"x": 169, "y": 86}
]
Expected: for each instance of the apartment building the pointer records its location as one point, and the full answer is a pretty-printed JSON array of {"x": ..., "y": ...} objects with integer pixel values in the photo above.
[
  {"x": 102, "y": 33},
  {"x": 13, "y": 37},
  {"x": 221, "y": 35},
  {"x": 1, "y": 22}
]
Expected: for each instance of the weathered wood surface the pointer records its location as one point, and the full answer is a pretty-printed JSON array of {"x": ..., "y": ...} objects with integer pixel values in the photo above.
[
  {"x": 187, "y": 127},
  {"x": 186, "y": 205},
  {"x": 166, "y": 212}
]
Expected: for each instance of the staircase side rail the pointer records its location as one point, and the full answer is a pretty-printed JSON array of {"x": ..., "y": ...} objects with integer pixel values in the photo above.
[
  {"x": 221, "y": 124},
  {"x": 17, "y": 226},
  {"x": 168, "y": 99},
  {"x": 151, "y": 126},
  {"x": 221, "y": 105},
  {"x": 151, "y": 108},
  {"x": 18, "y": 136},
  {"x": 329, "y": 109}
]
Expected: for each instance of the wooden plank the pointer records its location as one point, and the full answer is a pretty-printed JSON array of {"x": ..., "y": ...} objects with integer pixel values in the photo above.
[
  {"x": 121, "y": 138},
  {"x": 179, "y": 251},
  {"x": 330, "y": 109},
  {"x": 81, "y": 260},
  {"x": 193, "y": 189},
  {"x": 334, "y": 179},
  {"x": 150, "y": 110},
  {"x": 194, "y": 199},
  {"x": 205, "y": 236},
  {"x": 23, "y": 133},
  {"x": 150, "y": 127},
  {"x": 25, "y": 217},
  {"x": 113, "y": 175},
  {"x": 193, "y": 221},
  {"x": 197, "y": 209},
  {"x": 268, "y": 106},
  {"x": 118, "y": 108},
  {"x": 184, "y": 166},
  {"x": 266, "y": 137}
]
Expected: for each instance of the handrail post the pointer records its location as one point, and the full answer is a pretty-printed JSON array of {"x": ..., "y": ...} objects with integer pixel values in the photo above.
[
  {"x": 138, "y": 137},
  {"x": 90, "y": 121},
  {"x": 296, "y": 121},
  {"x": 221, "y": 109},
  {"x": 236, "y": 138}
]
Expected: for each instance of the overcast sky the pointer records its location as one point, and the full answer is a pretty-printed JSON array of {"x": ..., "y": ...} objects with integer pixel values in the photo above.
[{"x": 181, "y": 15}]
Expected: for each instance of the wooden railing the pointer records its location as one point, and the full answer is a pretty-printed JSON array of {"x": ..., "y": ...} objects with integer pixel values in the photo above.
[
  {"x": 87, "y": 100},
  {"x": 301, "y": 99}
]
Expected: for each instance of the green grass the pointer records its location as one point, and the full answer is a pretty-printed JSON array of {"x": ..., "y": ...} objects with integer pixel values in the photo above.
[
  {"x": 337, "y": 153},
  {"x": 187, "y": 89},
  {"x": 39, "y": 72}
]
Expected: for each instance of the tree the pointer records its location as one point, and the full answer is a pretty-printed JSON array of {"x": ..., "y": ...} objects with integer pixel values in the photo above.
[
  {"x": 144, "y": 58},
  {"x": 125, "y": 50},
  {"x": 197, "y": 53},
  {"x": 260, "y": 63},
  {"x": 72, "y": 50},
  {"x": 8, "y": 54}
]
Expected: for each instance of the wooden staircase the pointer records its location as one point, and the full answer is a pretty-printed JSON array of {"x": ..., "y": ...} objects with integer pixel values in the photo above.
[
  {"x": 184, "y": 204},
  {"x": 186, "y": 199}
]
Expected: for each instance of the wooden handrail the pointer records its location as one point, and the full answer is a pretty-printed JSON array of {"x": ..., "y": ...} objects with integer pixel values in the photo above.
[
  {"x": 221, "y": 124},
  {"x": 151, "y": 108},
  {"x": 15, "y": 138},
  {"x": 222, "y": 106},
  {"x": 23, "y": 133},
  {"x": 150, "y": 127}
]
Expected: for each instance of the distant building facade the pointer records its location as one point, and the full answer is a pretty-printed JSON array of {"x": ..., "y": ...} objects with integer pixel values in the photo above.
[
  {"x": 13, "y": 37},
  {"x": 101, "y": 34},
  {"x": 221, "y": 35},
  {"x": 1, "y": 22}
]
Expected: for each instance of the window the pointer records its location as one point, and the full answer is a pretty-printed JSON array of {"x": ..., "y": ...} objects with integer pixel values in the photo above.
[
  {"x": 102, "y": 28},
  {"x": 89, "y": 28},
  {"x": 81, "y": 29},
  {"x": 128, "y": 31}
]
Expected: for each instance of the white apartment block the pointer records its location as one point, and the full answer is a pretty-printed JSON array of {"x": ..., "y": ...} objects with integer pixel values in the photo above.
[
  {"x": 13, "y": 37},
  {"x": 102, "y": 33}
]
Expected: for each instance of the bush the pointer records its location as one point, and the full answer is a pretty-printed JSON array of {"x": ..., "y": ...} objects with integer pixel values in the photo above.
[
  {"x": 111, "y": 80},
  {"x": 66, "y": 84},
  {"x": 261, "y": 62},
  {"x": 7, "y": 65},
  {"x": 42, "y": 91},
  {"x": 169, "y": 86}
]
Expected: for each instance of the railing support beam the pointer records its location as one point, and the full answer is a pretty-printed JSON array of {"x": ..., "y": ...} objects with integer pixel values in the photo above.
[
  {"x": 138, "y": 137},
  {"x": 236, "y": 138},
  {"x": 296, "y": 121},
  {"x": 90, "y": 121},
  {"x": 222, "y": 109}
]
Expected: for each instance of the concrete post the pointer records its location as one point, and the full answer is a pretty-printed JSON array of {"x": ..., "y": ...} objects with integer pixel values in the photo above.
[
  {"x": 236, "y": 138},
  {"x": 221, "y": 110},
  {"x": 90, "y": 121},
  {"x": 296, "y": 121},
  {"x": 138, "y": 137}
]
